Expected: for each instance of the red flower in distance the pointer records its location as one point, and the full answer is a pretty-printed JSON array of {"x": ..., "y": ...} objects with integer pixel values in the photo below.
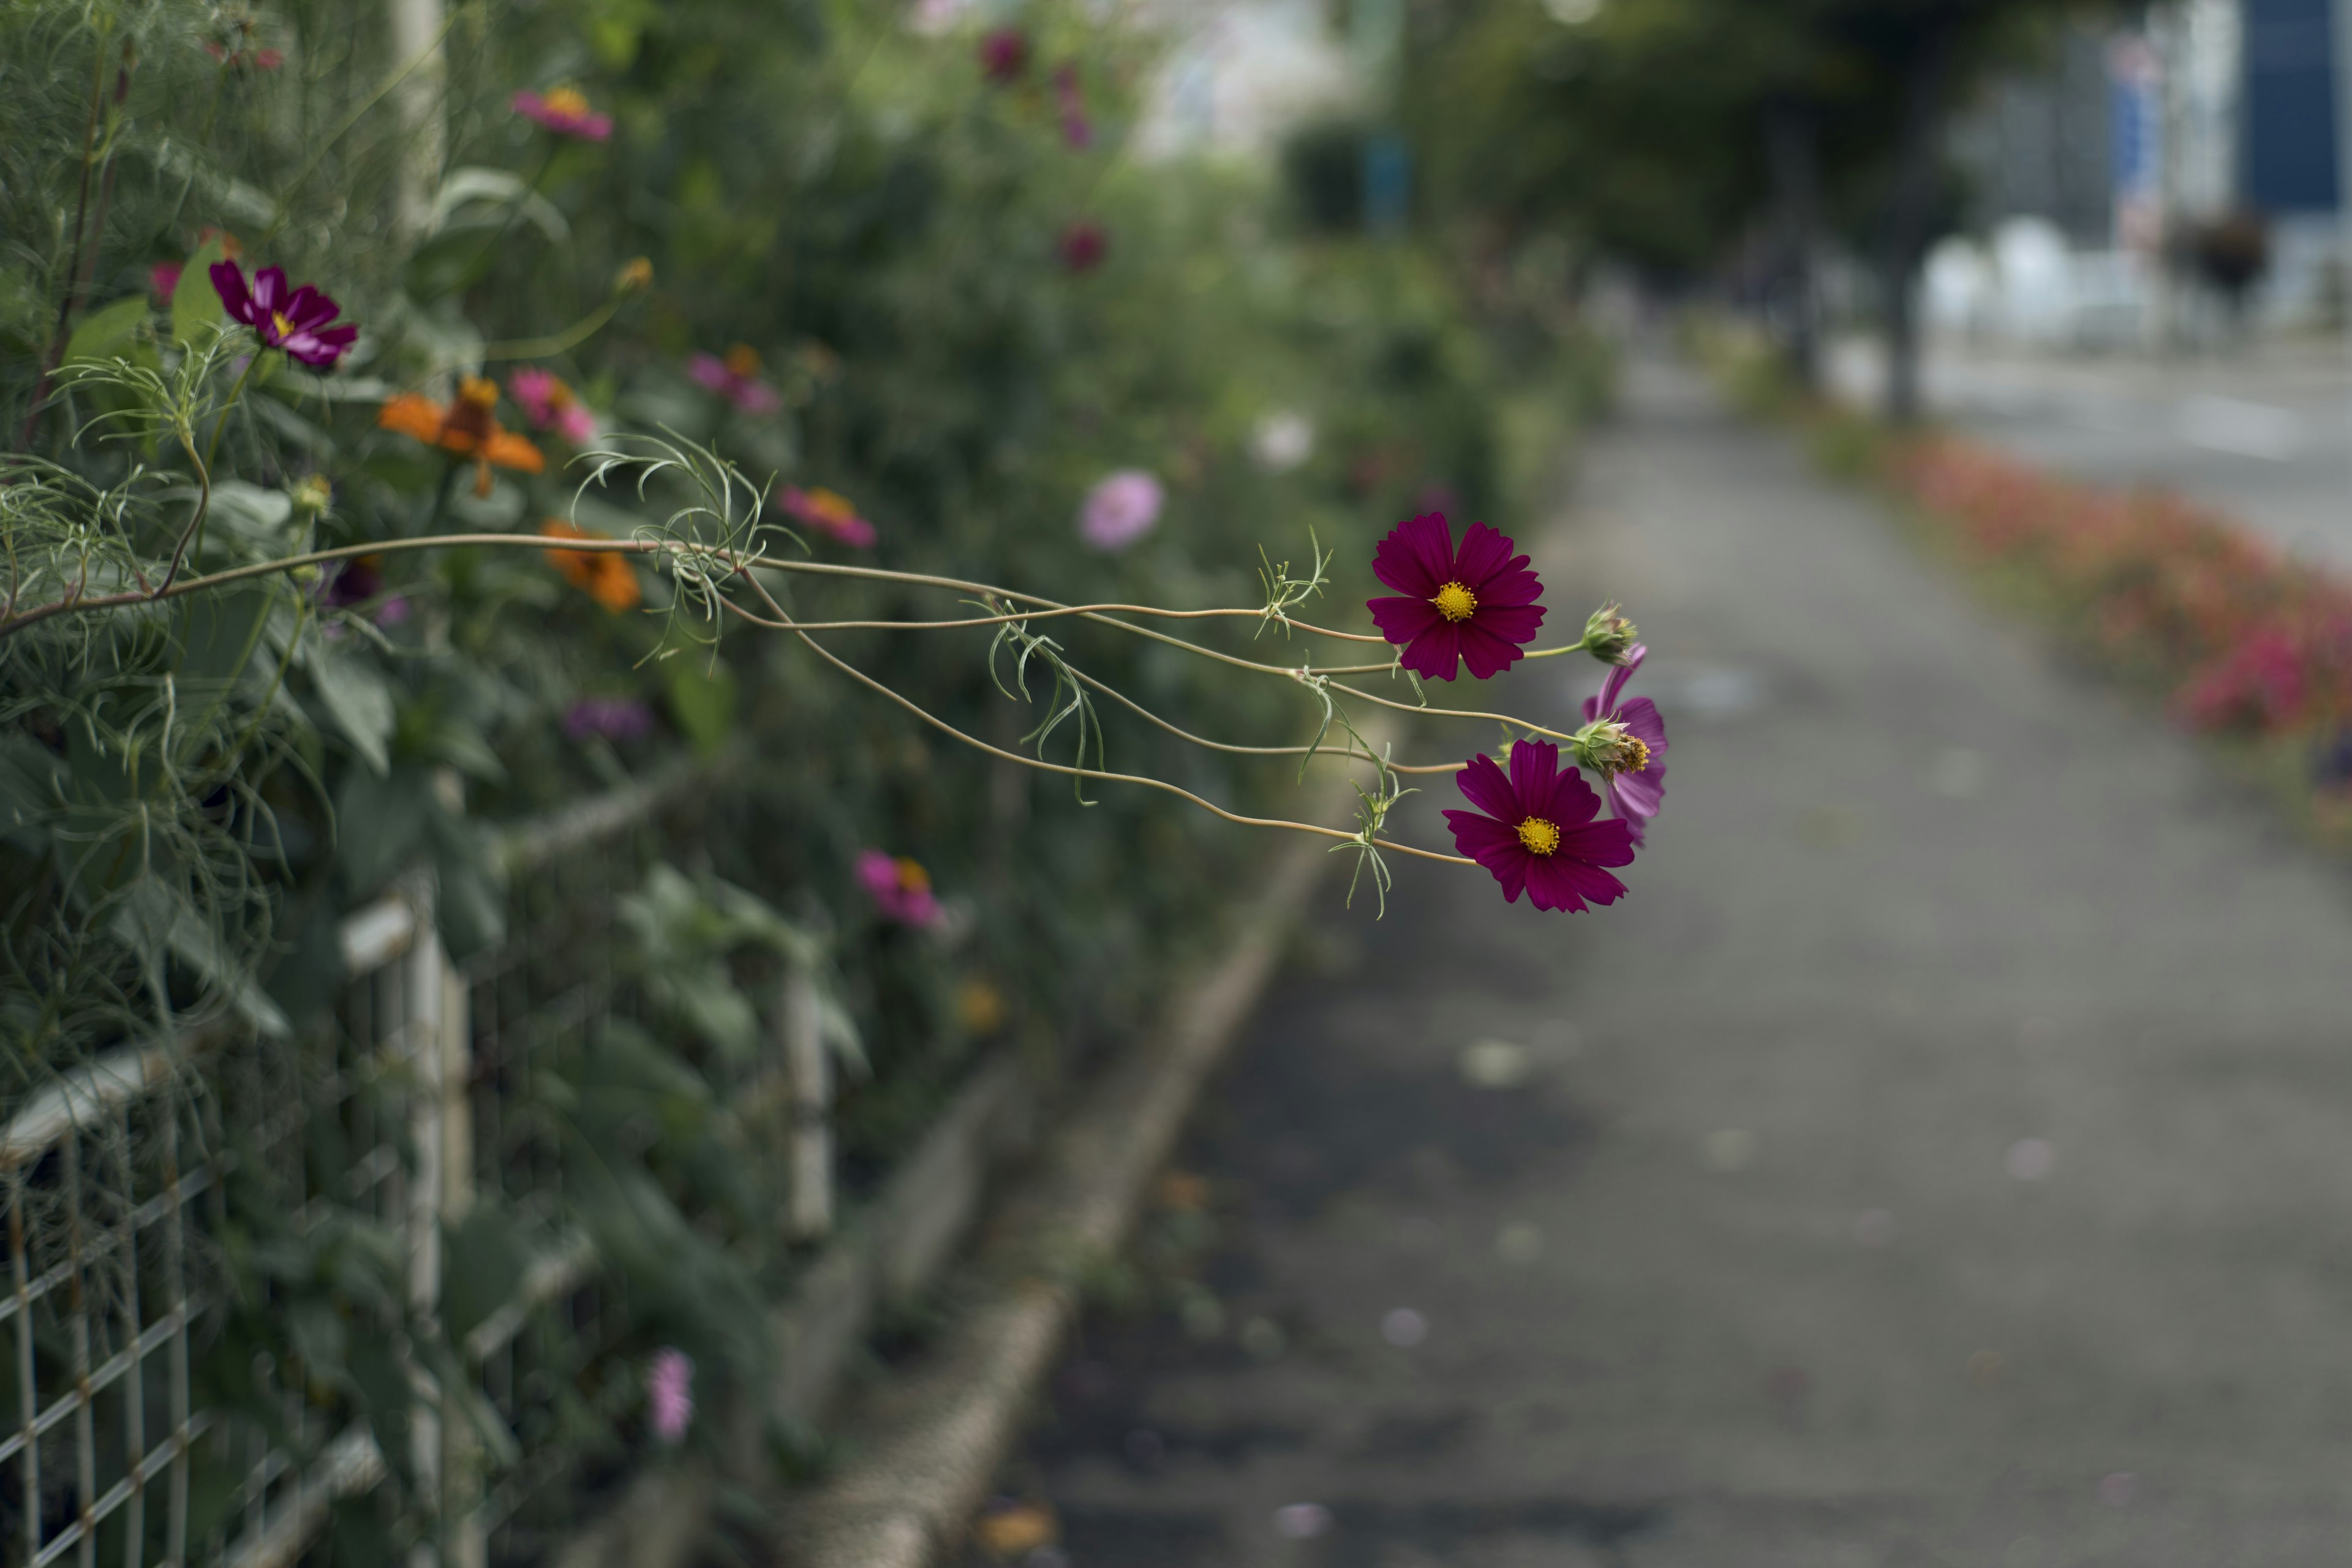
[
  {"x": 1476, "y": 604},
  {"x": 1082, "y": 246},
  {"x": 1004, "y": 55}
]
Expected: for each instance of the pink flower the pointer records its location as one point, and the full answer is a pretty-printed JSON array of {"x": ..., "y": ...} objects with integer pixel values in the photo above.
[
  {"x": 1625, "y": 744},
  {"x": 736, "y": 378},
  {"x": 829, "y": 512},
  {"x": 1082, "y": 246},
  {"x": 1004, "y": 55},
  {"x": 669, "y": 1394},
  {"x": 163, "y": 278},
  {"x": 551, "y": 405},
  {"x": 1474, "y": 604},
  {"x": 899, "y": 888},
  {"x": 1120, "y": 510},
  {"x": 564, "y": 110}
]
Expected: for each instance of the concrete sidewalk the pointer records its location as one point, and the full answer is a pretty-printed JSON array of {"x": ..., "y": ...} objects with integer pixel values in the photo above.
[{"x": 1944, "y": 1156}]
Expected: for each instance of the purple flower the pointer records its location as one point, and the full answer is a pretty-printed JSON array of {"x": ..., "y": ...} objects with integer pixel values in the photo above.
[
  {"x": 1004, "y": 55},
  {"x": 736, "y": 378},
  {"x": 1625, "y": 744},
  {"x": 899, "y": 887},
  {"x": 1477, "y": 603},
  {"x": 616, "y": 719},
  {"x": 1120, "y": 510},
  {"x": 1077, "y": 129},
  {"x": 1537, "y": 831},
  {"x": 294, "y": 320},
  {"x": 566, "y": 112},
  {"x": 669, "y": 1394}
]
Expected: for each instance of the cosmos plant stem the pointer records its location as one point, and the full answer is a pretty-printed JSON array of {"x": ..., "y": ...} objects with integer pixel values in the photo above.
[{"x": 736, "y": 564}]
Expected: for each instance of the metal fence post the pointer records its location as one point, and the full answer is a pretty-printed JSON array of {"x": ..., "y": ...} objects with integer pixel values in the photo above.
[
  {"x": 424, "y": 992},
  {"x": 809, "y": 1075}
]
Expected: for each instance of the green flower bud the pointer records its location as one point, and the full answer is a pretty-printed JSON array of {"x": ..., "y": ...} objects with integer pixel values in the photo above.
[{"x": 1608, "y": 634}]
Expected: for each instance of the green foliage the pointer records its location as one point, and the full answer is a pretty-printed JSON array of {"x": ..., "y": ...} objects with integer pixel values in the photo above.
[{"x": 192, "y": 791}]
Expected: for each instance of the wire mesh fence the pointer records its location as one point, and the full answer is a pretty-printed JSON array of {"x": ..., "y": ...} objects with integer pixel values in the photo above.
[{"x": 232, "y": 1330}]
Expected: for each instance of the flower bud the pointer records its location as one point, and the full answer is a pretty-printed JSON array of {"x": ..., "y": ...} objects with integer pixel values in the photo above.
[
  {"x": 311, "y": 493},
  {"x": 636, "y": 277},
  {"x": 305, "y": 577},
  {"x": 1608, "y": 634},
  {"x": 1608, "y": 748}
]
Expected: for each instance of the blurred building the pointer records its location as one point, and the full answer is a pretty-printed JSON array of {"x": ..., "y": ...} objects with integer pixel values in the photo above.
[{"x": 2176, "y": 179}]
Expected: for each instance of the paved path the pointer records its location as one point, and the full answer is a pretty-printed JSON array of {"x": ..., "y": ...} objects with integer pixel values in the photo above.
[
  {"x": 2263, "y": 434},
  {"x": 1945, "y": 1156}
]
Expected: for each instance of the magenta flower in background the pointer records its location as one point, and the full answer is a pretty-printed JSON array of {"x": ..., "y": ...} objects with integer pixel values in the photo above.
[
  {"x": 566, "y": 112},
  {"x": 1082, "y": 246},
  {"x": 669, "y": 1394},
  {"x": 829, "y": 512},
  {"x": 1004, "y": 55},
  {"x": 1077, "y": 129},
  {"x": 551, "y": 405},
  {"x": 163, "y": 278},
  {"x": 1476, "y": 604},
  {"x": 1121, "y": 508},
  {"x": 615, "y": 719},
  {"x": 1630, "y": 761},
  {"x": 899, "y": 888},
  {"x": 736, "y": 378},
  {"x": 1535, "y": 830},
  {"x": 293, "y": 320}
]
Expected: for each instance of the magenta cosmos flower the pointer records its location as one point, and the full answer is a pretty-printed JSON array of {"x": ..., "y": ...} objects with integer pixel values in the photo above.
[
  {"x": 1536, "y": 830},
  {"x": 1625, "y": 742},
  {"x": 899, "y": 888},
  {"x": 564, "y": 110},
  {"x": 294, "y": 320},
  {"x": 550, "y": 403},
  {"x": 1477, "y": 603},
  {"x": 829, "y": 512},
  {"x": 1121, "y": 508},
  {"x": 736, "y": 378}
]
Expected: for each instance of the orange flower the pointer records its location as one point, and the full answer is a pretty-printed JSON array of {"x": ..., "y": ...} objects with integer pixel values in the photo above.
[
  {"x": 468, "y": 426},
  {"x": 605, "y": 576}
]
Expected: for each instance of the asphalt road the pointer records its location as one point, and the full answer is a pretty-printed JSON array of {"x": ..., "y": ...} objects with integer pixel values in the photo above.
[
  {"x": 2264, "y": 435},
  {"x": 1943, "y": 1156}
]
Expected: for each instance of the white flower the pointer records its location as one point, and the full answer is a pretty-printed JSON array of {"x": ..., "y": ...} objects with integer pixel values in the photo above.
[{"x": 1282, "y": 441}]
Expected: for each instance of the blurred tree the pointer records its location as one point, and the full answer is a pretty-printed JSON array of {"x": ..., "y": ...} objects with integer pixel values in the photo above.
[{"x": 1666, "y": 131}]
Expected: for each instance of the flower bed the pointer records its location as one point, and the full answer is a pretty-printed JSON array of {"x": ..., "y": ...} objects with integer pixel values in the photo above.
[{"x": 2246, "y": 644}]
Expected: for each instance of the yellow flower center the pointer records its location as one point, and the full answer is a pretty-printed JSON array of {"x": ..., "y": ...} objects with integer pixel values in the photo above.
[
  {"x": 912, "y": 877},
  {"x": 1637, "y": 756},
  {"x": 566, "y": 101},
  {"x": 278, "y": 320},
  {"x": 479, "y": 391},
  {"x": 1455, "y": 602},
  {"x": 1539, "y": 837},
  {"x": 743, "y": 359}
]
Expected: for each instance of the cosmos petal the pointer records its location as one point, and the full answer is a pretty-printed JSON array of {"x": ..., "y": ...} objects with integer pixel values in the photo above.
[
  {"x": 1402, "y": 620},
  {"x": 1571, "y": 801},
  {"x": 1484, "y": 556},
  {"x": 1595, "y": 885},
  {"x": 1482, "y": 784},
  {"x": 1551, "y": 884},
  {"x": 1436, "y": 653},
  {"x": 1417, "y": 557},
  {"x": 269, "y": 290},
  {"x": 1609, "y": 842},
  {"x": 1512, "y": 623},
  {"x": 228, "y": 281},
  {"x": 1534, "y": 767},
  {"x": 1487, "y": 655},
  {"x": 1510, "y": 588}
]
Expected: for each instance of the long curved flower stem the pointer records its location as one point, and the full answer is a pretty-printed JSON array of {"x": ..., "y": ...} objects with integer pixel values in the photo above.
[
  {"x": 1345, "y": 753},
  {"x": 1064, "y": 769}
]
